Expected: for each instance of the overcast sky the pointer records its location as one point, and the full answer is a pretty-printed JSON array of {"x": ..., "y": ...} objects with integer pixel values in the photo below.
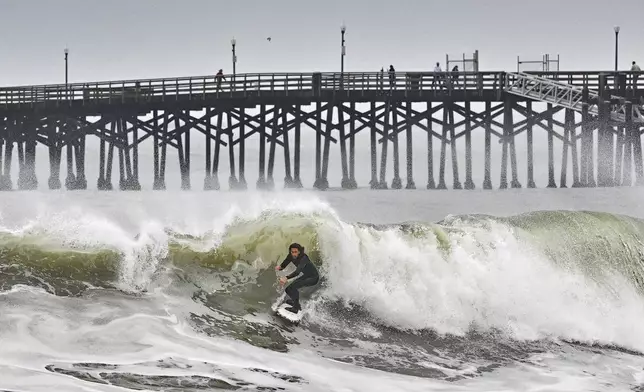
[{"x": 125, "y": 39}]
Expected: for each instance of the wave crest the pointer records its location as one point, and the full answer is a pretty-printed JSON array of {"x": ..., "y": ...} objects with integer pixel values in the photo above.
[{"x": 564, "y": 274}]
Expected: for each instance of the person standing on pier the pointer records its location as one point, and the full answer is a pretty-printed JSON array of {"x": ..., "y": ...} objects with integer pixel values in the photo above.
[
  {"x": 635, "y": 68},
  {"x": 455, "y": 75},
  {"x": 381, "y": 79},
  {"x": 437, "y": 75},
  {"x": 392, "y": 77},
  {"x": 218, "y": 78}
]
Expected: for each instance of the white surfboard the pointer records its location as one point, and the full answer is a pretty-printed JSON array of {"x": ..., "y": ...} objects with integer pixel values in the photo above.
[
  {"x": 278, "y": 302},
  {"x": 290, "y": 316},
  {"x": 279, "y": 308}
]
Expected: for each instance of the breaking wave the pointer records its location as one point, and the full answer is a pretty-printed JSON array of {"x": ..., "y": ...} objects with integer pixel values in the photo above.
[{"x": 542, "y": 275}]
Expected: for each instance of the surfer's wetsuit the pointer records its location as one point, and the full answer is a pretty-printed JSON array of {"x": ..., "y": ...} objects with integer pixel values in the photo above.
[{"x": 310, "y": 276}]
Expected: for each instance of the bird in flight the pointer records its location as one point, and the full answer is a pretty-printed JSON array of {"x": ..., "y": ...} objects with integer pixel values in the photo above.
[{"x": 268, "y": 39}]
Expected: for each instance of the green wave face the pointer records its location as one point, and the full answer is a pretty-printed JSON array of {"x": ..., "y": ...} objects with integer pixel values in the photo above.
[
  {"x": 68, "y": 270},
  {"x": 598, "y": 244},
  {"x": 36, "y": 261},
  {"x": 259, "y": 242}
]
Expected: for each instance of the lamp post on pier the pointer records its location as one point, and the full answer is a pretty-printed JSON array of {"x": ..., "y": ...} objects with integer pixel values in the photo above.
[
  {"x": 343, "y": 30},
  {"x": 616, "y": 46},
  {"x": 233, "y": 42},
  {"x": 66, "y": 73}
]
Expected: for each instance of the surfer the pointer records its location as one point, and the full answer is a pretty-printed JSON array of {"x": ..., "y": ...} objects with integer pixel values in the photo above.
[{"x": 310, "y": 276}]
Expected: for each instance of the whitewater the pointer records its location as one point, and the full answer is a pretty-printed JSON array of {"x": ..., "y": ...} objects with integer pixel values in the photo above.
[{"x": 509, "y": 290}]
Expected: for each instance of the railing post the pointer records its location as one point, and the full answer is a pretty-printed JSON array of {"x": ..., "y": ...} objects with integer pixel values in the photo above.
[
  {"x": 259, "y": 85},
  {"x": 316, "y": 83}
]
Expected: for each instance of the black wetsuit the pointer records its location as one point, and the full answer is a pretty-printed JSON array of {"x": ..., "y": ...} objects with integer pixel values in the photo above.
[{"x": 310, "y": 276}]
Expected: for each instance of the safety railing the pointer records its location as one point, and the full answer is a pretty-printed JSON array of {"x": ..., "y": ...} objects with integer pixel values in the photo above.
[
  {"x": 277, "y": 84},
  {"x": 409, "y": 81},
  {"x": 156, "y": 89}
]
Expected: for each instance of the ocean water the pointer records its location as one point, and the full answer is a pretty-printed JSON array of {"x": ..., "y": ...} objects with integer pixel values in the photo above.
[{"x": 534, "y": 290}]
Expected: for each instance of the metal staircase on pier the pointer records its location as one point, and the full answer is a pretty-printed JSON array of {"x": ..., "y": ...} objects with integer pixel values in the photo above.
[{"x": 566, "y": 95}]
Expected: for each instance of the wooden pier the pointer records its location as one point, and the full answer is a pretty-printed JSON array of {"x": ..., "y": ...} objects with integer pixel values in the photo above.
[{"x": 275, "y": 110}]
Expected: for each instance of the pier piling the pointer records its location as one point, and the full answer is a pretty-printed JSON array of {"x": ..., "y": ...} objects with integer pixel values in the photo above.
[{"x": 278, "y": 111}]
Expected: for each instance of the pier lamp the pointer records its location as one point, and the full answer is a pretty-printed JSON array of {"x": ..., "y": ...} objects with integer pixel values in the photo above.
[
  {"x": 343, "y": 29},
  {"x": 233, "y": 42},
  {"x": 66, "y": 72},
  {"x": 616, "y": 45}
]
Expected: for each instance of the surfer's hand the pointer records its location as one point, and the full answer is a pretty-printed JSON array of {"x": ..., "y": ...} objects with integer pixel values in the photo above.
[
  {"x": 278, "y": 268},
  {"x": 283, "y": 280}
]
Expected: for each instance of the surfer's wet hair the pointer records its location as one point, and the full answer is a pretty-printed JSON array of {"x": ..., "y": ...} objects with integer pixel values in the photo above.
[{"x": 296, "y": 246}]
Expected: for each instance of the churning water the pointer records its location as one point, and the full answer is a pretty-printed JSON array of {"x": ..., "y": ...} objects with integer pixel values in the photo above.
[{"x": 172, "y": 291}]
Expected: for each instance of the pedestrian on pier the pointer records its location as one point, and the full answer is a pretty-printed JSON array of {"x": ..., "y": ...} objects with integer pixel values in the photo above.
[
  {"x": 636, "y": 69},
  {"x": 219, "y": 77},
  {"x": 392, "y": 76},
  {"x": 137, "y": 90},
  {"x": 455, "y": 75},
  {"x": 381, "y": 79},
  {"x": 86, "y": 92},
  {"x": 437, "y": 75}
]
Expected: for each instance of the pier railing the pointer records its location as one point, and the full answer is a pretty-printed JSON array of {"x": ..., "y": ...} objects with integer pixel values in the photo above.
[{"x": 276, "y": 84}]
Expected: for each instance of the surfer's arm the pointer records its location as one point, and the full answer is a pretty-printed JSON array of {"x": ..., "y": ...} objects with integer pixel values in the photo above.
[
  {"x": 285, "y": 263},
  {"x": 299, "y": 268}
]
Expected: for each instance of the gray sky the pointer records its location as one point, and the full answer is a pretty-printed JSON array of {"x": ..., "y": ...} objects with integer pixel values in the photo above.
[{"x": 125, "y": 39}]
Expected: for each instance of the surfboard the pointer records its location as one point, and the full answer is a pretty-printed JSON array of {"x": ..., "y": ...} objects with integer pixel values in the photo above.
[
  {"x": 278, "y": 302},
  {"x": 279, "y": 308},
  {"x": 290, "y": 316}
]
